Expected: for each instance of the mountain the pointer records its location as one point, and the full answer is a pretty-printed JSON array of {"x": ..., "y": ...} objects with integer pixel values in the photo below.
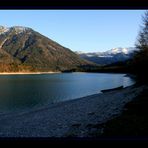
[
  {"x": 110, "y": 56},
  {"x": 23, "y": 49}
]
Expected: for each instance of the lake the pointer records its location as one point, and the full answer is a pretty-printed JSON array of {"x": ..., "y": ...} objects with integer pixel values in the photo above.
[{"x": 20, "y": 92}]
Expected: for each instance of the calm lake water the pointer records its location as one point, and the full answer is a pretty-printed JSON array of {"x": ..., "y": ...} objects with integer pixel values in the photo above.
[{"x": 28, "y": 91}]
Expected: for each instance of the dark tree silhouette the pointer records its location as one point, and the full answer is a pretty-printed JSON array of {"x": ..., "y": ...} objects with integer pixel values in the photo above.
[
  {"x": 142, "y": 41},
  {"x": 140, "y": 60}
]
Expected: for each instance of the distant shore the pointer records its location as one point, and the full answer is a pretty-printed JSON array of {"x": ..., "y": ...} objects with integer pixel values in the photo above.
[
  {"x": 26, "y": 73},
  {"x": 81, "y": 117}
]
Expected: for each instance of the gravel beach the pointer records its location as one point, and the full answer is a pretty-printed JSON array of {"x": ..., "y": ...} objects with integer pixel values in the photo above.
[{"x": 72, "y": 118}]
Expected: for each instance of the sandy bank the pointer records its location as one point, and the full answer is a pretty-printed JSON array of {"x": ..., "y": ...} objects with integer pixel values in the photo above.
[
  {"x": 25, "y": 73},
  {"x": 69, "y": 118}
]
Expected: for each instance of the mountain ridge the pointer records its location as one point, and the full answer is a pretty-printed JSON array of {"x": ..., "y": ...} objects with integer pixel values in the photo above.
[
  {"x": 110, "y": 56},
  {"x": 23, "y": 49}
]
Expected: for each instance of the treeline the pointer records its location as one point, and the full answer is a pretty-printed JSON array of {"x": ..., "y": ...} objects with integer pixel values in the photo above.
[
  {"x": 13, "y": 67},
  {"x": 139, "y": 64},
  {"x": 115, "y": 68}
]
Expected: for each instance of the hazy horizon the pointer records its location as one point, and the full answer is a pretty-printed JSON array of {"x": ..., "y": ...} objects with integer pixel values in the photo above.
[{"x": 80, "y": 30}]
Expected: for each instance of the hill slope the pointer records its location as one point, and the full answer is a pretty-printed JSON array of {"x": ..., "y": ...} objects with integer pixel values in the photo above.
[{"x": 23, "y": 49}]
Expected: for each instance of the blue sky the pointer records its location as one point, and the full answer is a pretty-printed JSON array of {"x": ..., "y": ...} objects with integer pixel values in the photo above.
[{"x": 80, "y": 30}]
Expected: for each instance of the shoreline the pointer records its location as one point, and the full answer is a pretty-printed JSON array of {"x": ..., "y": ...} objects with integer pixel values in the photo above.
[
  {"x": 26, "y": 73},
  {"x": 52, "y": 72},
  {"x": 72, "y": 118},
  {"x": 133, "y": 121}
]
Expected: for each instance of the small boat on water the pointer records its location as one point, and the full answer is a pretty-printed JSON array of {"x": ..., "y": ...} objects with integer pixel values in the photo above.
[{"x": 112, "y": 89}]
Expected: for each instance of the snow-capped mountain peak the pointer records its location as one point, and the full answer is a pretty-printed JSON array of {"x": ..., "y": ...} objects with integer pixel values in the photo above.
[
  {"x": 17, "y": 29},
  {"x": 3, "y": 29},
  {"x": 20, "y": 29},
  {"x": 121, "y": 50},
  {"x": 110, "y": 53},
  {"x": 110, "y": 56}
]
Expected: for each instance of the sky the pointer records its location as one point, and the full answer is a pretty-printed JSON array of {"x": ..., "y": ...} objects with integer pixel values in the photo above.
[{"x": 80, "y": 30}]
